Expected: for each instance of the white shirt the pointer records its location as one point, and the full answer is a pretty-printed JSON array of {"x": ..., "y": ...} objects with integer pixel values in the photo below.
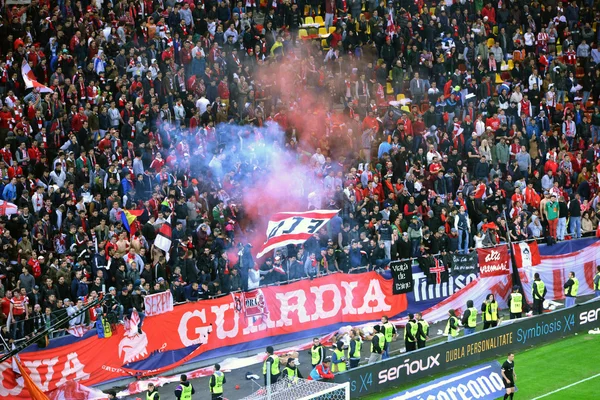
[{"x": 201, "y": 104}]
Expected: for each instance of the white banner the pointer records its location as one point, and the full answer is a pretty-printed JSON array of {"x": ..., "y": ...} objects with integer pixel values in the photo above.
[
  {"x": 294, "y": 228},
  {"x": 554, "y": 272},
  {"x": 158, "y": 303}
]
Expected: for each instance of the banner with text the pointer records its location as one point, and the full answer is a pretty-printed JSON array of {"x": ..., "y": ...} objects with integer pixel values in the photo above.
[
  {"x": 483, "y": 382},
  {"x": 158, "y": 303},
  {"x": 464, "y": 264},
  {"x": 195, "y": 328},
  {"x": 493, "y": 261},
  {"x": 514, "y": 335},
  {"x": 402, "y": 275}
]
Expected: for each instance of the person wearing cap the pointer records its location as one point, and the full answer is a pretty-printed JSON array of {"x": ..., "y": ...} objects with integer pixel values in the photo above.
[
  {"x": 271, "y": 366},
  {"x": 339, "y": 358},
  {"x": 291, "y": 372},
  {"x": 322, "y": 371},
  {"x": 217, "y": 379},
  {"x": 377, "y": 344}
]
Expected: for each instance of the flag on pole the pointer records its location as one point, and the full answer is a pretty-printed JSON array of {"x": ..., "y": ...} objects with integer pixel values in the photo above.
[
  {"x": 129, "y": 220},
  {"x": 35, "y": 393},
  {"x": 527, "y": 254},
  {"x": 294, "y": 228},
  {"x": 31, "y": 81},
  {"x": 7, "y": 208},
  {"x": 163, "y": 238}
]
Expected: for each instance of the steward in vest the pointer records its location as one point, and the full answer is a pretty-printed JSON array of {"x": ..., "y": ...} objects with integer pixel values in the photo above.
[
  {"x": 489, "y": 310},
  {"x": 317, "y": 353},
  {"x": 216, "y": 383},
  {"x": 389, "y": 332},
  {"x": 469, "y": 318},
  {"x": 571, "y": 289},
  {"x": 515, "y": 303},
  {"x": 597, "y": 281},
  {"x": 410, "y": 333},
  {"x": 271, "y": 362},
  {"x": 452, "y": 327},
  {"x": 152, "y": 393},
  {"x": 291, "y": 371},
  {"x": 184, "y": 390},
  {"x": 377, "y": 344},
  {"x": 538, "y": 292},
  {"x": 422, "y": 331},
  {"x": 355, "y": 347},
  {"x": 322, "y": 371},
  {"x": 339, "y": 358}
]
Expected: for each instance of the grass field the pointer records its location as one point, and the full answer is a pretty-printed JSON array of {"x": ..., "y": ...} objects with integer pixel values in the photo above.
[{"x": 545, "y": 369}]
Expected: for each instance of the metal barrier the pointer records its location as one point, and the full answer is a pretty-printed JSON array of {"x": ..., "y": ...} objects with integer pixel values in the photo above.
[{"x": 514, "y": 335}]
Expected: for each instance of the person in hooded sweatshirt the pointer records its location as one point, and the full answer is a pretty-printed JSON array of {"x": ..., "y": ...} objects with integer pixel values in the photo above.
[{"x": 184, "y": 390}]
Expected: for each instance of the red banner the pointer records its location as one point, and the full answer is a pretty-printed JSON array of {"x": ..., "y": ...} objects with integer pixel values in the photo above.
[
  {"x": 212, "y": 324},
  {"x": 493, "y": 261}
]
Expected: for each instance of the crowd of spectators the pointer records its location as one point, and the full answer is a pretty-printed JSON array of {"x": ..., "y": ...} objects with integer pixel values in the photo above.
[{"x": 492, "y": 132}]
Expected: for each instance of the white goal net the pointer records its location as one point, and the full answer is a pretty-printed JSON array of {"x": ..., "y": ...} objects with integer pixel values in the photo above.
[{"x": 303, "y": 389}]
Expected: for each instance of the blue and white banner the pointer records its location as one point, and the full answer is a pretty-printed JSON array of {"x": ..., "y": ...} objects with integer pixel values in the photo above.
[{"x": 483, "y": 382}]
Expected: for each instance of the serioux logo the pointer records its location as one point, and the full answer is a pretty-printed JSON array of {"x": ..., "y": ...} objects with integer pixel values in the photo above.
[
  {"x": 411, "y": 367},
  {"x": 493, "y": 256},
  {"x": 589, "y": 316}
]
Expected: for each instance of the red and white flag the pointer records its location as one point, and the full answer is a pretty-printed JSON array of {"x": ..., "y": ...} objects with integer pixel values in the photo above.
[
  {"x": 78, "y": 330},
  {"x": 163, "y": 238},
  {"x": 527, "y": 254},
  {"x": 31, "y": 81},
  {"x": 7, "y": 208},
  {"x": 294, "y": 228}
]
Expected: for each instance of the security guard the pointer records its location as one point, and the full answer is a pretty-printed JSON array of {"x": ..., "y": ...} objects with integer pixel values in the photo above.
[
  {"x": 273, "y": 360},
  {"x": 355, "y": 347},
  {"x": 571, "y": 289},
  {"x": 291, "y": 371},
  {"x": 410, "y": 333},
  {"x": 339, "y": 358},
  {"x": 538, "y": 289},
  {"x": 377, "y": 344},
  {"x": 389, "y": 331},
  {"x": 452, "y": 327},
  {"x": 489, "y": 309},
  {"x": 469, "y": 318},
  {"x": 515, "y": 303},
  {"x": 184, "y": 390},
  {"x": 597, "y": 281},
  {"x": 317, "y": 352},
  {"x": 216, "y": 383},
  {"x": 422, "y": 331},
  {"x": 152, "y": 393}
]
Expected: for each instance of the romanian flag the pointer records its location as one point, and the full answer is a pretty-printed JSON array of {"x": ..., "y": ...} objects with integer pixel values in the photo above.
[
  {"x": 129, "y": 217},
  {"x": 35, "y": 392}
]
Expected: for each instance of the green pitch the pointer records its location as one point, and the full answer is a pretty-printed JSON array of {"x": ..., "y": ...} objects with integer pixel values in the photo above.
[{"x": 571, "y": 364}]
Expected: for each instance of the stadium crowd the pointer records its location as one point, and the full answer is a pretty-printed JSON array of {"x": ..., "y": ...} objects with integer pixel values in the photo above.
[{"x": 135, "y": 107}]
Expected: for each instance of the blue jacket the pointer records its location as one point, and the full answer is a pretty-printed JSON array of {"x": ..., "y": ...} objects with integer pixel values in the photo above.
[{"x": 10, "y": 192}]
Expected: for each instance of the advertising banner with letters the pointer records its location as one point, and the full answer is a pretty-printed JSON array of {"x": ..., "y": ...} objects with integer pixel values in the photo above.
[
  {"x": 515, "y": 335},
  {"x": 194, "y": 328},
  {"x": 483, "y": 382},
  {"x": 493, "y": 261}
]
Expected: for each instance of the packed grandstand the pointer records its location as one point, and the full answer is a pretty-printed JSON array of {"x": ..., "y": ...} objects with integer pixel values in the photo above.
[{"x": 173, "y": 173}]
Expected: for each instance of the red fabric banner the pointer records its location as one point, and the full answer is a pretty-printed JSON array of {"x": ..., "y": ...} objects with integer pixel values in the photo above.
[
  {"x": 493, "y": 261},
  {"x": 211, "y": 324}
]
